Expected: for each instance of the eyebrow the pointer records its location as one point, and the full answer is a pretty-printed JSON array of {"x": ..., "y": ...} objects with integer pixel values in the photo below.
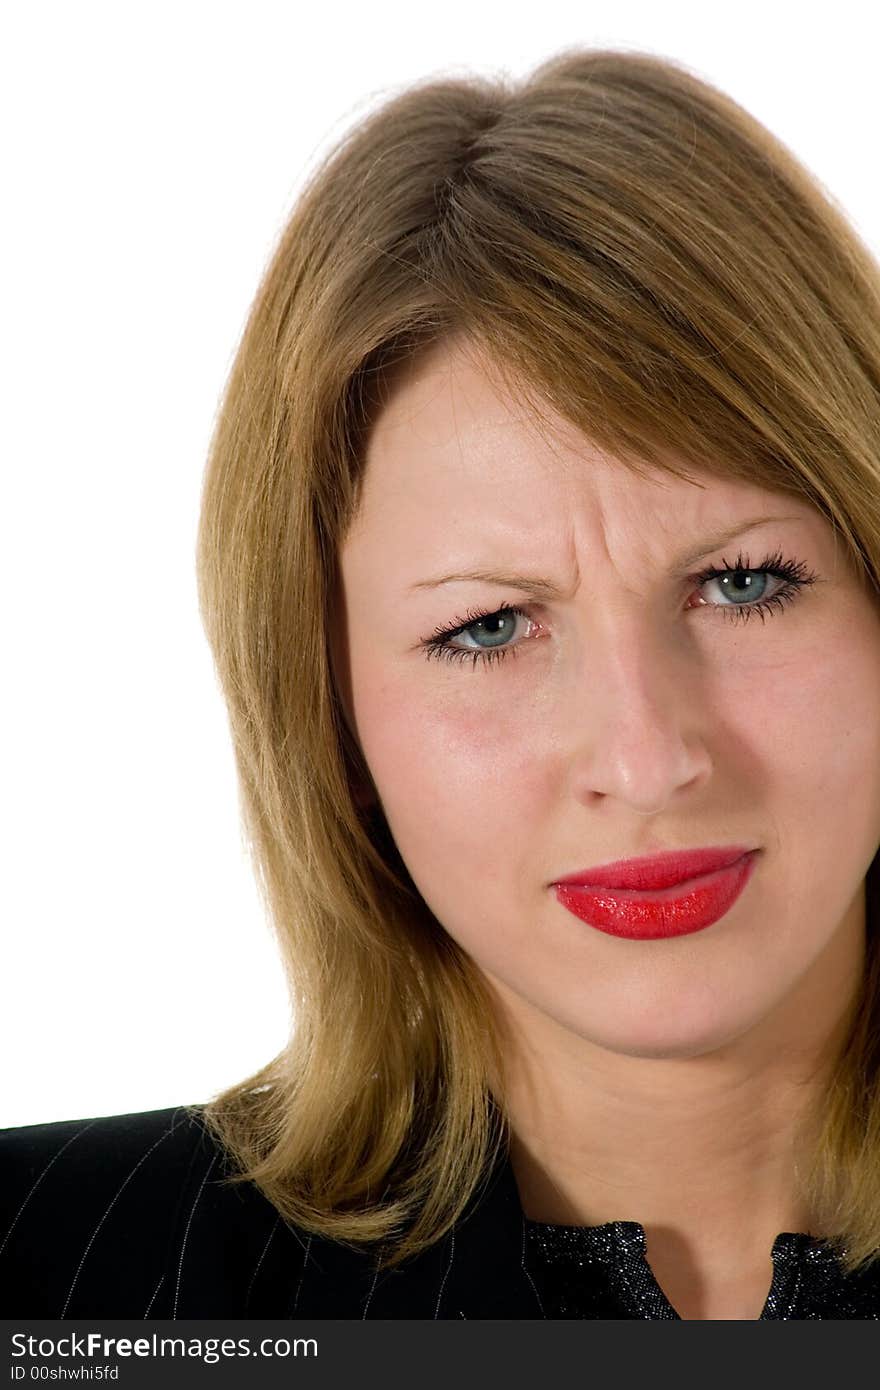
[{"x": 543, "y": 588}]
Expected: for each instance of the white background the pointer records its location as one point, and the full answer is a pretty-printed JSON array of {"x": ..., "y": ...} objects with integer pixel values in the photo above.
[{"x": 152, "y": 154}]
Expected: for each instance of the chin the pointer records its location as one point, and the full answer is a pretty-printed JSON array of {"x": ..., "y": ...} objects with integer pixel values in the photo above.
[{"x": 664, "y": 1044}]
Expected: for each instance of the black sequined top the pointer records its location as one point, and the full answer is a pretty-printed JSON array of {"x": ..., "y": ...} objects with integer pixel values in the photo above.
[{"x": 603, "y": 1272}]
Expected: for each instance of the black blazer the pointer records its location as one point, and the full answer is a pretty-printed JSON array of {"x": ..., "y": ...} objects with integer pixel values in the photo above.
[{"x": 124, "y": 1217}]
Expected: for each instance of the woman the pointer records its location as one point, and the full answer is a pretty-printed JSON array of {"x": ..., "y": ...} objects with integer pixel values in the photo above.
[{"x": 597, "y": 338}]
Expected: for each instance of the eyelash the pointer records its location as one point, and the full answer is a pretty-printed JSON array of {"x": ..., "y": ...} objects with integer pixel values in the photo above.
[{"x": 794, "y": 572}]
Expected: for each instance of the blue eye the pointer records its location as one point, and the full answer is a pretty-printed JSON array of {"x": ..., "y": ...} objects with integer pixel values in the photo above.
[
  {"x": 737, "y": 581},
  {"x": 744, "y": 589},
  {"x": 440, "y": 642}
]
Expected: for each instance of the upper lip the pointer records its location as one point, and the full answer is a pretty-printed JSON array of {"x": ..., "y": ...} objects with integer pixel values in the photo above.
[{"x": 658, "y": 870}]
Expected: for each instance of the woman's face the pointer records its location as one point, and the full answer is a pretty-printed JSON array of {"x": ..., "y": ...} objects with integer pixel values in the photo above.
[{"x": 626, "y": 717}]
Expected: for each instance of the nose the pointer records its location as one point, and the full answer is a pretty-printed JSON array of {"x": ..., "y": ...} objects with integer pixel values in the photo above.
[{"x": 640, "y": 736}]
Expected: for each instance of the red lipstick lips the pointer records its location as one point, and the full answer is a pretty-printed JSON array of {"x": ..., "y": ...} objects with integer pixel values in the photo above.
[{"x": 660, "y": 896}]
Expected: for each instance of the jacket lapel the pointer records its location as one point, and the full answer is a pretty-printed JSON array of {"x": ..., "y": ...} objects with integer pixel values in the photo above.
[{"x": 476, "y": 1271}]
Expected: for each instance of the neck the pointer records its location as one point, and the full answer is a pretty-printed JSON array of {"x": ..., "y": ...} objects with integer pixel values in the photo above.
[{"x": 702, "y": 1150}]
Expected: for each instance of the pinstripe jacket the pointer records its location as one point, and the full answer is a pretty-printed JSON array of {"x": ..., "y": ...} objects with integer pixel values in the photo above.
[{"x": 126, "y": 1217}]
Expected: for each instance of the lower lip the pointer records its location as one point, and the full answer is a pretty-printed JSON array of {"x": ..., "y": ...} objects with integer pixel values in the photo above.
[{"x": 646, "y": 916}]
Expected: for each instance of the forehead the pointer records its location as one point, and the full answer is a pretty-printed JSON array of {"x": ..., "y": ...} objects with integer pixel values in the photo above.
[{"x": 453, "y": 441}]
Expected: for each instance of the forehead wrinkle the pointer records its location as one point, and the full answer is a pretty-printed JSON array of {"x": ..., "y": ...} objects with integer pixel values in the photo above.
[
  {"x": 600, "y": 556},
  {"x": 640, "y": 522}
]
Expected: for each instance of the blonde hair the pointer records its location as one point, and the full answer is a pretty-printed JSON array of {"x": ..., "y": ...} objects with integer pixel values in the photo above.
[{"x": 664, "y": 274}]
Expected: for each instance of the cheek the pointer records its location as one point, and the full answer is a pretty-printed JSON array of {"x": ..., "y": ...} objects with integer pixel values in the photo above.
[
  {"x": 815, "y": 721},
  {"x": 809, "y": 729},
  {"x": 462, "y": 781}
]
